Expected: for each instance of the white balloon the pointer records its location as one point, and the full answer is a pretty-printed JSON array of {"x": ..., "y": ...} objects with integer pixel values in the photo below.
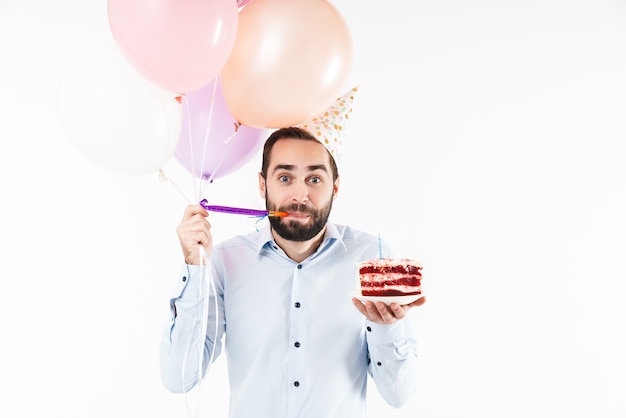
[{"x": 115, "y": 117}]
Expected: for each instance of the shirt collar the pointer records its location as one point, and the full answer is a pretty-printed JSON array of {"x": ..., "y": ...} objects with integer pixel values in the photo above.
[{"x": 332, "y": 234}]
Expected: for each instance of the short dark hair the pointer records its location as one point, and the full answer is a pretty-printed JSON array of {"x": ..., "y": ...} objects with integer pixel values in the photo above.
[{"x": 292, "y": 132}]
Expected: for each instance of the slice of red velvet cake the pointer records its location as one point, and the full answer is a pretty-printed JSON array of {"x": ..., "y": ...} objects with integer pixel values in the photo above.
[{"x": 390, "y": 277}]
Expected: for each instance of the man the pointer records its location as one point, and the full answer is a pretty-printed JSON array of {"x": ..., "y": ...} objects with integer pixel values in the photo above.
[{"x": 296, "y": 344}]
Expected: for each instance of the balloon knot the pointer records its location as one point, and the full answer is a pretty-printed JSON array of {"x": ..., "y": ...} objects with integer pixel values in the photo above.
[{"x": 179, "y": 99}]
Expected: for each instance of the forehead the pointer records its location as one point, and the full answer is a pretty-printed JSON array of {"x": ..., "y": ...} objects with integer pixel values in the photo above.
[{"x": 299, "y": 153}]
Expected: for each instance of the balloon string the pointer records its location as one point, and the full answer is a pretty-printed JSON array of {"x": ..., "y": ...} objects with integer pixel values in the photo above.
[
  {"x": 207, "y": 134},
  {"x": 220, "y": 162},
  {"x": 201, "y": 188},
  {"x": 206, "y": 282},
  {"x": 163, "y": 177},
  {"x": 191, "y": 152}
]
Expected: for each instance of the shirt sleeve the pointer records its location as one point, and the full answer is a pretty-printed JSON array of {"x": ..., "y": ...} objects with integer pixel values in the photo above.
[
  {"x": 193, "y": 306},
  {"x": 393, "y": 360}
]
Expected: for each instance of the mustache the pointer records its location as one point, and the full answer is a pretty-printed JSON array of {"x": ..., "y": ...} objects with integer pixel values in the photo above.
[{"x": 298, "y": 207}]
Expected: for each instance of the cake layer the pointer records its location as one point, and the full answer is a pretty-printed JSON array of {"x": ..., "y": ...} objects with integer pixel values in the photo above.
[
  {"x": 389, "y": 269},
  {"x": 404, "y": 286},
  {"x": 389, "y": 279}
]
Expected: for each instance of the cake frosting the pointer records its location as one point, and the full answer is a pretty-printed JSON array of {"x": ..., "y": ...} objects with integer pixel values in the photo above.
[{"x": 390, "y": 277}]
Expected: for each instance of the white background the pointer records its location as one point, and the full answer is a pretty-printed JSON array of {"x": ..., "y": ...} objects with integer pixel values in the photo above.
[{"x": 487, "y": 141}]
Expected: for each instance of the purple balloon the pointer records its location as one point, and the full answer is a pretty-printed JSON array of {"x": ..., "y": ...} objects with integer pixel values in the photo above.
[{"x": 212, "y": 143}]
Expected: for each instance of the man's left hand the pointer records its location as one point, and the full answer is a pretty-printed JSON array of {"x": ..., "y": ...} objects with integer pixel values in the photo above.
[{"x": 381, "y": 313}]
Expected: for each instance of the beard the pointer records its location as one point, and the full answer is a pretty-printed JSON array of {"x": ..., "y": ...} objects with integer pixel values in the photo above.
[{"x": 294, "y": 230}]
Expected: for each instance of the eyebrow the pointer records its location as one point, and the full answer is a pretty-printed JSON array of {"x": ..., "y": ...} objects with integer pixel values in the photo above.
[{"x": 291, "y": 167}]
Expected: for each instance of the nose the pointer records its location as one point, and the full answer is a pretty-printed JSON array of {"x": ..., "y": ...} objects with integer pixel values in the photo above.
[{"x": 300, "y": 193}]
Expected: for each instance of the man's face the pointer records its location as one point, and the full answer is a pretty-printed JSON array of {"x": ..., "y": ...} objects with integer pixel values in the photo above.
[{"x": 299, "y": 181}]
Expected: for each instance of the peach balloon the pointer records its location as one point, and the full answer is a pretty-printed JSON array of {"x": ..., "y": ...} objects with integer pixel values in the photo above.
[{"x": 291, "y": 60}]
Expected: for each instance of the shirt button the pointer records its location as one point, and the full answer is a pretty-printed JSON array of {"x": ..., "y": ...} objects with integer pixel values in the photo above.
[
  {"x": 297, "y": 304},
  {"x": 297, "y": 344},
  {"x": 369, "y": 329},
  {"x": 299, "y": 266},
  {"x": 379, "y": 363},
  {"x": 296, "y": 383},
  {"x": 184, "y": 278}
]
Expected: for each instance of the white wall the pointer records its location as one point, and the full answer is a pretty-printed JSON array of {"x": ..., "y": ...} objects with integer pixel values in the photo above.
[{"x": 487, "y": 140}]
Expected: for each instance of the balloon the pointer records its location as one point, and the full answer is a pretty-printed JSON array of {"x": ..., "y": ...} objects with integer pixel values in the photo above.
[
  {"x": 115, "y": 117},
  {"x": 291, "y": 59},
  {"x": 212, "y": 144},
  {"x": 180, "y": 45}
]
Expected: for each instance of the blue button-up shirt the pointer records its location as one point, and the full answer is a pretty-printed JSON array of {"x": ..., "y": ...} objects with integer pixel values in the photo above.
[{"x": 296, "y": 346}]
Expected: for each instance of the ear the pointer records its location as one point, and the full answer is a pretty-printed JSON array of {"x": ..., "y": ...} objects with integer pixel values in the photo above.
[
  {"x": 261, "y": 185},
  {"x": 336, "y": 187}
]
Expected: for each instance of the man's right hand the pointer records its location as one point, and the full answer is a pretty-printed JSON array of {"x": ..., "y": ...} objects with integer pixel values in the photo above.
[{"x": 194, "y": 231}]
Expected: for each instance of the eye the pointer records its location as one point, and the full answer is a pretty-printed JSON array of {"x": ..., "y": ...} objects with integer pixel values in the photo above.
[
  {"x": 315, "y": 179},
  {"x": 284, "y": 178}
]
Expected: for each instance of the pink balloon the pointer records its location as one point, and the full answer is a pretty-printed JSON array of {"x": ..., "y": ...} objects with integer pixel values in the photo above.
[
  {"x": 212, "y": 144},
  {"x": 291, "y": 60},
  {"x": 180, "y": 45}
]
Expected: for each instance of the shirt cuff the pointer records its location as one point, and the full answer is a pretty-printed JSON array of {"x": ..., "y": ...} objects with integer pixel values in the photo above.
[
  {"x": 189, "y": 282},
  {"x": 384, "y": 333},
  {"x": 187, "y": 286}
]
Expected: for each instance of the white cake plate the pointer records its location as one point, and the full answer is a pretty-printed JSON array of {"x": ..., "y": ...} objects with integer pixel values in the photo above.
[{"x": 387, "y": 300}]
